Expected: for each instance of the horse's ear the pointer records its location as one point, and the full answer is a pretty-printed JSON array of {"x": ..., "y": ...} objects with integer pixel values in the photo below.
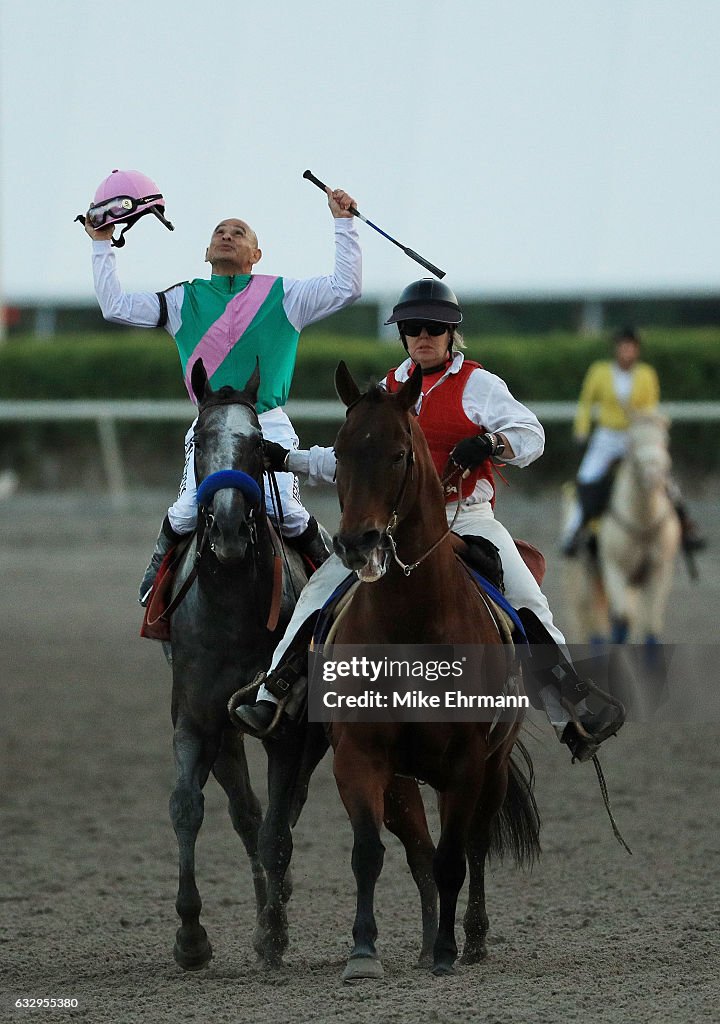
[
  {"x": 253, "y": 383},
  {"x": 409, "y": 393},
  {"x": 199, "y": 380},
  {"x": 347, "y": 389}
]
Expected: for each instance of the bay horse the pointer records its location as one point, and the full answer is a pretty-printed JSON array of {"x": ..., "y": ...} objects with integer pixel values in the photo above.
[
  {"x": 223, "y": 632},
  {"x": 391, "y": 501},
  {"x": 627, "y": 586}
]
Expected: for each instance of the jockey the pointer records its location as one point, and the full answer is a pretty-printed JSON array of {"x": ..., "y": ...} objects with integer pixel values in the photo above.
[
  {"x": 616, "y": 389},
  {"x": 469, "y": 417},
  {"x": 230, "y": 321}
]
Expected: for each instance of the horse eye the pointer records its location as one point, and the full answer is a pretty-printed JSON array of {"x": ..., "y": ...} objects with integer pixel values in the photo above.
[{"x": 398, "y": 458}]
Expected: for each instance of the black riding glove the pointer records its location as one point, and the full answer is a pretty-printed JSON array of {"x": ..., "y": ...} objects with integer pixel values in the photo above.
[
  {"x": 471, "y": 451},
  {"x": 275, "y": 456}
]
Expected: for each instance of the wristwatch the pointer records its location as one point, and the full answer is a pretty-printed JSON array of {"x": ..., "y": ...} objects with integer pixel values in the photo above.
[{"x": 498, "y": 445}]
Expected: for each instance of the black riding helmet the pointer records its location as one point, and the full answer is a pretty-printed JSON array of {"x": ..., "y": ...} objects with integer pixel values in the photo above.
[{"x": 427, "y": 299}]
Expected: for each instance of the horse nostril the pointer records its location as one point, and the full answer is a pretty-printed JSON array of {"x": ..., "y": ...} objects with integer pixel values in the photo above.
[
  {"x": 369, "y": 540},
  {"x": 362, "y": 543}
]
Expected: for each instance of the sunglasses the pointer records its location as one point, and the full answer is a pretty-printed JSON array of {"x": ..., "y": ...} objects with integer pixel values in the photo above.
[
  {"x": 120, "y": 206},
  {"x": 415, "y": 328}
]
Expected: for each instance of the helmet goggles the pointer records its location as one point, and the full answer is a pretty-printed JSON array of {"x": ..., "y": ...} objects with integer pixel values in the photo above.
[{"x": 119, "y": 208}]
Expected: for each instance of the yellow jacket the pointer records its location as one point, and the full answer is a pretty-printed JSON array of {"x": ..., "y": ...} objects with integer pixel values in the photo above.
[{"x": 598, "y": 400}]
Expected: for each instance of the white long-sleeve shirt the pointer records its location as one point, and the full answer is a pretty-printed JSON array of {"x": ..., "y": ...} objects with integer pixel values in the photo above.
[{"x": 305, "y": 301}]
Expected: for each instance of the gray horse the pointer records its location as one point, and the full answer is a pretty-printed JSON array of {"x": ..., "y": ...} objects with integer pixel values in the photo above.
[{"x": 223, "y": 633}]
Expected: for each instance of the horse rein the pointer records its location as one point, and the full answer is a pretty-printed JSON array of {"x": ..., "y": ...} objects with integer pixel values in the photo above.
[
  {"x": 392, "y": 525},
  {"x": 248, "y": 486}
]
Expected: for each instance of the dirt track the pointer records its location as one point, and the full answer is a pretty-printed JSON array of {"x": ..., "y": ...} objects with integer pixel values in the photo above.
[{"x": 89, "y": 857}]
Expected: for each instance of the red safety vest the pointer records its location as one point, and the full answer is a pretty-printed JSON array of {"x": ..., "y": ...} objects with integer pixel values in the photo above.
[{"x": 444, "y": 422}]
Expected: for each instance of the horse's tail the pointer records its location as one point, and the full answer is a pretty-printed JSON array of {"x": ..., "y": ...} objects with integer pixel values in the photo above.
[{"x": 516, "y": 826}]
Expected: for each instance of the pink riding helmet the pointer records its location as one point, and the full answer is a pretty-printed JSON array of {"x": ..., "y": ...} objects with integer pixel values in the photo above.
[{"x": 122, "y": 198}]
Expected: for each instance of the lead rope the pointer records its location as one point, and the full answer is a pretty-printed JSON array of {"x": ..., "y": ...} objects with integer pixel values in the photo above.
[{"x": 606, "y": 801}]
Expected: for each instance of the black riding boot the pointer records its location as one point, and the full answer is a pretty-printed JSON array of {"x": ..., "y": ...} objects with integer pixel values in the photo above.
[
  {"x": 167, "y": 539},
  {"x": 690, "y": 536},
  {"x": 548, "y": 666},
  {"x": 311, "y": 544},
  {"x": 257, "y": 718}
]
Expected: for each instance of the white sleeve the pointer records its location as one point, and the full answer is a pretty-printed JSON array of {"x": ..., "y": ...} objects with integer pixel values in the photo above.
[
  {"x": 141, "y": 309},
  {"x": 315, "y": 298},
  {"x": 487, "y": 401},
  {"x": 316, "y": 464}
]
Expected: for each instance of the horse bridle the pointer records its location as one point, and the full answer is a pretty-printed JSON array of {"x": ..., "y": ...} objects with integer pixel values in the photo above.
[
  {"x": 254, "y": 495},
  {"x": 392, "y": 525}
]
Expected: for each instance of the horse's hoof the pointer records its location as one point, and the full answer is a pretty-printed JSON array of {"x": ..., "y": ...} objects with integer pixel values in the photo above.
[
  {"x": 443, "y": 970},
  {"x": 360, "y": 967},
  {"x": 474, "y": 955},
  {"x": 425, "y": 961},
  {"x": 270, "y": 960},
  {"x": 193, "y": 959},
  {"x": 269, "y": 955}
]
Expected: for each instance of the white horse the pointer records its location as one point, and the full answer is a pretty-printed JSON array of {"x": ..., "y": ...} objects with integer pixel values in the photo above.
[
  {"x": 624, "y": 590},
  {"x": 639, "y": 535}
]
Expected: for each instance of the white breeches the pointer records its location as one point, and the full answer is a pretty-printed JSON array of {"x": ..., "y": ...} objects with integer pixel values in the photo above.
[
  {"x": 275, "y": 426},
  {"x": 605, "y": 447},
  {"x": 521, "y": 588}
]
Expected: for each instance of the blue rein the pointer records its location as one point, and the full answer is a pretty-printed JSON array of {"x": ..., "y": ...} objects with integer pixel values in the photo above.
[{"x": 229, "y": 478}]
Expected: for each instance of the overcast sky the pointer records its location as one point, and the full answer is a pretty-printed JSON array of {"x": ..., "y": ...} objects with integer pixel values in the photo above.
[{"x": 523, "y": 146}]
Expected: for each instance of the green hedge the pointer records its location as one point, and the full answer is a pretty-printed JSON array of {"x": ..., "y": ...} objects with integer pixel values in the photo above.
[{"x": 144, "y": 364}]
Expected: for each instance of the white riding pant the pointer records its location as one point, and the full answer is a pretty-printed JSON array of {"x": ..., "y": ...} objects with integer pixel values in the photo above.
[
  {"x": 605, "y": 447},
  {"x": 521, "y": 588},
  {"x": 275, "y": 426}
]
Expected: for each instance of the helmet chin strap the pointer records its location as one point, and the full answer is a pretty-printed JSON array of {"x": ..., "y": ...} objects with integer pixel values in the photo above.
[{"x": 119, "y": 242}]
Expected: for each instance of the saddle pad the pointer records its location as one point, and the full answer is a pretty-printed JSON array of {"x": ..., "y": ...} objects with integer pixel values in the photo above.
[
  {"x": 156, "y": 623},
  {"x": 326, "y": 615},
  {"x": 519, "y": 634}
]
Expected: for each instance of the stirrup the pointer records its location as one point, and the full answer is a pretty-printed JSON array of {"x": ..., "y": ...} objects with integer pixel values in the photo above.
[
  {"x": 241, "y": 696},
  {"x": 613, "y": 725},
  {"x": 584, "y": 743}
]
